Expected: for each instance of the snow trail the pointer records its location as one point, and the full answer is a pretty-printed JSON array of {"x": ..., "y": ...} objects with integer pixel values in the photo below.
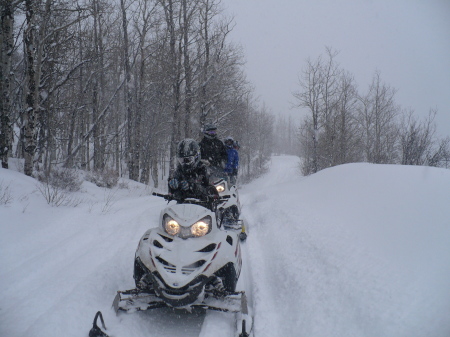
[{"x": 355, "y": 250}]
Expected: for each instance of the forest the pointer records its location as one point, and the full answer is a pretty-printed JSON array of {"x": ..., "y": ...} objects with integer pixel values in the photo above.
[
  {"x": 100, "y": 85},
  {"x": 113, "y": 86}
]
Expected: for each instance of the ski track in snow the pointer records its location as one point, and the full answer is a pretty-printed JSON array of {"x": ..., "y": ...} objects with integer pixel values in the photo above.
[{"x": 357, "y": 250}]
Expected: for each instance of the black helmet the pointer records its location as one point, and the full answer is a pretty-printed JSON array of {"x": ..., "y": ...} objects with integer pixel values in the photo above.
[
  {"x": 210, "y": 130},
  {"x": 229, "y": 141},
  {"x": 188, "y": 153}
]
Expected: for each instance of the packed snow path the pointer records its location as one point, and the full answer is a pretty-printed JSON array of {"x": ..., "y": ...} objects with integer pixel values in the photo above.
[{"x": 355, "y": 250}]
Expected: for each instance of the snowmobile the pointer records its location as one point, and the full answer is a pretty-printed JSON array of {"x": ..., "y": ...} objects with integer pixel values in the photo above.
[
  {"x": 229, "y": 209},
  {"x": 187, "y": 262}
]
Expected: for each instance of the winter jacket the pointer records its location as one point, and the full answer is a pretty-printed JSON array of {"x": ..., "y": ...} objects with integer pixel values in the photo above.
[
  {"x": 232, "y": 164},
  {"x": 198, "y": 183},
  {"x": 214, "y": 151}
]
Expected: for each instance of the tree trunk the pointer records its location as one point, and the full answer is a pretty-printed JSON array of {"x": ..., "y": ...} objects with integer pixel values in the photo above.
[
  {"x": 133, "y": 165},
  {"x": 204, "y": 92},
  {"x": 187, "y": 72},
  {"x": 29, "y": 117},
  {"x": 7, "y": 43}
]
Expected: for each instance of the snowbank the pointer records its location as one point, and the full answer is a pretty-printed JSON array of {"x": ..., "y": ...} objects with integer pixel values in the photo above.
[{"x": 354, "y": 250}]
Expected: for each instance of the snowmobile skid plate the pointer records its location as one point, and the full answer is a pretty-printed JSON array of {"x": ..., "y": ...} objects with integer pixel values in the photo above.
[{"x": 136, "y": 300}]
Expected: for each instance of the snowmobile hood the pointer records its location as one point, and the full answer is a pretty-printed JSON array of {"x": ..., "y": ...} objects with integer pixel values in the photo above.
[{"x": 179, "y": 261}]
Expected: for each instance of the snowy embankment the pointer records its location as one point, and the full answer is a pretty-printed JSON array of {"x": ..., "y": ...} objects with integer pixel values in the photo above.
[{"x": 355, "y": 250}]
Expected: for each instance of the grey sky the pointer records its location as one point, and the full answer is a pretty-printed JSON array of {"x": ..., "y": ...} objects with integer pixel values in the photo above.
[{"x": 408, "y": 41}]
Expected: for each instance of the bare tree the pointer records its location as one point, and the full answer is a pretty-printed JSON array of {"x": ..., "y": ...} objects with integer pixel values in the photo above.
[
  {"x": 172, "y": 16},
  {"x": 132, "y": 124},
  {"x": 319, "y": 95},
  {"x": 29, "y": 117},
  {"x": 347, "y": 144},
  {"x": 7, "y": 45},
  {"x": 309, "y": 97},
  {"x": 440, "y": 155},
  {"x": 378, "y": 119},
  {"x": 110, "y": 84},
  {"x": 418, "y": 144}
]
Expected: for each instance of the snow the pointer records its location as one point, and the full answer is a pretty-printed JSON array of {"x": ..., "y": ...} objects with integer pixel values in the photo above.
[{"x": 354, "y": 250}]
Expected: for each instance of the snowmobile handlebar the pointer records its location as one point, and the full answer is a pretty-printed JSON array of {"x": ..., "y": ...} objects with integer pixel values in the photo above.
[{"x": 165, "y": 196}]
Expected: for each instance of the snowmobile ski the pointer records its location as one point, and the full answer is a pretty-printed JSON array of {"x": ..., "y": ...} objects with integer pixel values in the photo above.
[{"x": 96, "y": 331}]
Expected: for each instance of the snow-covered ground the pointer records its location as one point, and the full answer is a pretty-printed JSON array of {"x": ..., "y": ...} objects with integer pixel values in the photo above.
[{"x": 355, "y": 250}]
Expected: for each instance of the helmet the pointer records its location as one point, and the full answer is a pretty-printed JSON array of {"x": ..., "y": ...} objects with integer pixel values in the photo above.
[
  {"x": 229, "y": 141},
  {"x": 210, "y": 130},
  {"x": 188, "y": 154}
]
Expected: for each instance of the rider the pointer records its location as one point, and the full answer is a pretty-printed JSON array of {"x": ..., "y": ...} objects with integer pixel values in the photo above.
[
  {"x": 231, "y": 167},
  {"x": 213, "y": 150},
  {"x": 190, "y": 179}
]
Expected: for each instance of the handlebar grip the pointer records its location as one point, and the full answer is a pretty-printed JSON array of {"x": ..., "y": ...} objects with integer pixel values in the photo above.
[{"x": 165, "y": 196}]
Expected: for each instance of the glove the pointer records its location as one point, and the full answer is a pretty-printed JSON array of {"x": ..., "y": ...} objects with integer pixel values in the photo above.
[
  {"x": 212, "y": 197},
  {"x": 184, "y": 185},
  {"x": 218, "y": 284},
  {"x": 206, "y": 162},
  {"x": 173, "y": 184}
]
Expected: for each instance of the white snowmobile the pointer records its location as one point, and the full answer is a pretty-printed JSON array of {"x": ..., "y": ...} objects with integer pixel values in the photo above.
[
  {"x": 229, "y": 210},
  {"x": 187, "y": 262}
]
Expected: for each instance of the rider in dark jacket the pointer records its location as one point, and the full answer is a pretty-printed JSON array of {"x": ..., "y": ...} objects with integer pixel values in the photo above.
[
  {"x": 213, "y": 150},
  {"x": 190, "y": 179}
]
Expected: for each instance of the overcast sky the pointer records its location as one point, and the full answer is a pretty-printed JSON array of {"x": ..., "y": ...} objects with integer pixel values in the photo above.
[{"x": 408, "y": 41}]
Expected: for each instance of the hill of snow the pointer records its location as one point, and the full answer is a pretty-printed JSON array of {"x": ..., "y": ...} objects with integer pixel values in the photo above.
[{"x": 354, "y": 250}]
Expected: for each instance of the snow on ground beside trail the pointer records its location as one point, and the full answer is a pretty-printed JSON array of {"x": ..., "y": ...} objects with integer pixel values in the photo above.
[{"x": 354, "y": 250}]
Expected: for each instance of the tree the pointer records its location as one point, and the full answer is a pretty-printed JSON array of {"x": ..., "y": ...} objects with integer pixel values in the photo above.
[
  {"x": 418, "y": 144},
  {"x": 133, "y": 124},
  {"x": 7, "y": 45},
  {"x": 110, "y": 84},
  {"x": 319, "y": 95},
  {"x": 347, "y": 147},
  {"x": 29, "y": 117},
  {"x": 378, "y": 120}
]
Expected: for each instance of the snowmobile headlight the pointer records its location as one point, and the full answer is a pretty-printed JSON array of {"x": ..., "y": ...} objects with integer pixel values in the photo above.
[
  {"x": 171, "y": 226},
  {"x": 220, "y": 188},
  {"x": 202, "y": 227}
]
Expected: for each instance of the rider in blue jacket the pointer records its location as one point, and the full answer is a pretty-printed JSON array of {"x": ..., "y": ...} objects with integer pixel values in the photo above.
[{"x": 231, "y": 167}]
